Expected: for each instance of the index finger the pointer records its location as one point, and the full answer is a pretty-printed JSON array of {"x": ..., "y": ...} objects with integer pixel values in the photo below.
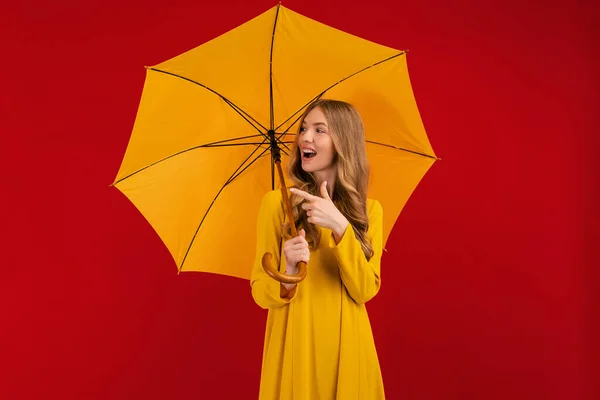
[{"x": 303, "y": 194}]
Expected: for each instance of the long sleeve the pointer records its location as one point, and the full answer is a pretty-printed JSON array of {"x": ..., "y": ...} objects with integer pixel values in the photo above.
[
  {"x": 361, "y": 277},
  {"x": 266, "y": 291}
]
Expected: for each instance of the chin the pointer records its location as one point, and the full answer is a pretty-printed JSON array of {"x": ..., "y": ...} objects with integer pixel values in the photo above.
[{"x": 309, "y": 168}]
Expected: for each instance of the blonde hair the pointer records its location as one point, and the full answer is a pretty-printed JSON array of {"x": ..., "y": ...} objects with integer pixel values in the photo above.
[{"x": 352, "y": 173}]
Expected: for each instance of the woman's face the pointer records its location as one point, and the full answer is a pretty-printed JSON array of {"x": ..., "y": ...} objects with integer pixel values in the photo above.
[{"x": 314, "y": 141}]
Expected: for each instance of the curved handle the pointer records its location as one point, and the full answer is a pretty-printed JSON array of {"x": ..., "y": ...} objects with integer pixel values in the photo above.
[{"x": 278, "y": 276}]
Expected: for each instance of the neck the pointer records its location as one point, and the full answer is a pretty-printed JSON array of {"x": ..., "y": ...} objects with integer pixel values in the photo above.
[{"x": 329, "y": 176}]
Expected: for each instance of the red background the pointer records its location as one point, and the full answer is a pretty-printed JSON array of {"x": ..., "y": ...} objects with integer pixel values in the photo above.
[{"x": 490, "y": 283}]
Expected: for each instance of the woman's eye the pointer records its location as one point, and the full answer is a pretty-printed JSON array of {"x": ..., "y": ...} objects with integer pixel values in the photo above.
[
  {"x": 320, "y": 131},
  {"x": 302, "y": 129}
]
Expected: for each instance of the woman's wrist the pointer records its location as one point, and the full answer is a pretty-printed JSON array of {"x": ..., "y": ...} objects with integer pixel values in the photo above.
[
  {"x": 290, "y": 270},
  {"x": 338, "y": 232}
]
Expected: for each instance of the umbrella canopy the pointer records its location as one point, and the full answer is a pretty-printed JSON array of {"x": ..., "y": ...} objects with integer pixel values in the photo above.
[{"x": 199, "y": 159}]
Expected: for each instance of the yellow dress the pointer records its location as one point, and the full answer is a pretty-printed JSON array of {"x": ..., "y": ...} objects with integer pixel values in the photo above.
[{"x": 319, "y": 344}]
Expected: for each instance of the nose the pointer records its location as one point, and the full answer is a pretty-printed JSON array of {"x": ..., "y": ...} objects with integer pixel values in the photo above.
[{"x": 308, "y": 136}]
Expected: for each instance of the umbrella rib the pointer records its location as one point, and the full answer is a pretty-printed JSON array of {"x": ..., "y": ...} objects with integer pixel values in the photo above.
[
  {"x": 272, "y": 122},
  {"x": 240, "y": 111},
  {"x": 403, "y": 149},
  {"x": 236, "y": 174},
  {"x": 231, "y": 178},
  {"x": 337, "y": 83},
  {"x": 232, "y": 139},
  {"x": 233, "y": 144},
  {"x": 215, "y": 144},
  {"x": 299, "y": 114},
  {"x": 283, "y": 143},
  {"x": 236, "y": 108}
]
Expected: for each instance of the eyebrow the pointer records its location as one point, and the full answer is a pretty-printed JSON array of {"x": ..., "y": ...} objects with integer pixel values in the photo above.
[{"x": 316, "y": 123}]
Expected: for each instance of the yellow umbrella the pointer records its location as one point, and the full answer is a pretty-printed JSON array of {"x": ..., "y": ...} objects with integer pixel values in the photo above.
[{"x": 200, "y": 156}]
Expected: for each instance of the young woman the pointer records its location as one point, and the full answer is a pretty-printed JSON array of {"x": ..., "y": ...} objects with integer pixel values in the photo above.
[{"x": 318, "y": 340}]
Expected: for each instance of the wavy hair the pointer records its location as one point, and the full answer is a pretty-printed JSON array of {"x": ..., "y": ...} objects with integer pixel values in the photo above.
[{"x": 352, "y": 173}]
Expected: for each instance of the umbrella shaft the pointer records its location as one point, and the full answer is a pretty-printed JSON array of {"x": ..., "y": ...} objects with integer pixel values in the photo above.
[{"x": 286, "y": 199}]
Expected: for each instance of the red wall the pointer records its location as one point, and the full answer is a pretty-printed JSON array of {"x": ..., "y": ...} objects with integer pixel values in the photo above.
[{"x": 490, "y": 283}]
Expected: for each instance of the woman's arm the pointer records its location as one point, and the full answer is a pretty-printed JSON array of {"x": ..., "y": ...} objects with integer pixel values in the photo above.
[{"x": 361, "y": 277}]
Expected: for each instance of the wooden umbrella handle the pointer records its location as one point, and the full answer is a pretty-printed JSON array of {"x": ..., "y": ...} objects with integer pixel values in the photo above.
[
  {"x": 267, "y": 257},
  {"x": 278, "y": 276}
]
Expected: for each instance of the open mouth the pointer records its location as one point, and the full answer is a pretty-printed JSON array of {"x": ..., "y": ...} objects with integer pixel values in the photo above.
[{"x": 306, "y": 154}]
